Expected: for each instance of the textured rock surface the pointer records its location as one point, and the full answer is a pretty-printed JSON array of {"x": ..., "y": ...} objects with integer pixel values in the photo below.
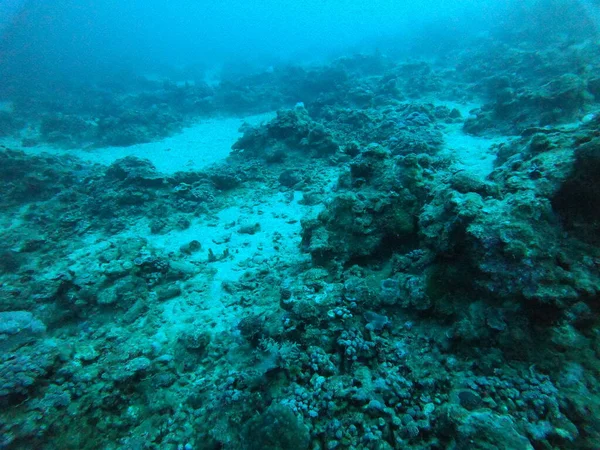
[{"x": 359, "y": 274}]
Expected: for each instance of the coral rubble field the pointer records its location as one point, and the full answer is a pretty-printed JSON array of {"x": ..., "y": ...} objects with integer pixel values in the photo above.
[{"x": 391, "y": 253}]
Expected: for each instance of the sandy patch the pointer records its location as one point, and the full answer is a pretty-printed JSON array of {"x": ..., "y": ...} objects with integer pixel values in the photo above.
[
  {"x": 475, "y": 154},
  {"x": 197, "y": 146},
  {"x": 274, "y": 245}
]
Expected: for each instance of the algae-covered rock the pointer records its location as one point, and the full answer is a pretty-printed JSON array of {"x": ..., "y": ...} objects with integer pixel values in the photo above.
[
  {"x": 167, "y": 292},
  {"x": 578, "y": 199},
  {"x": 67, "y": 130},
  {"x": 135, "y": 171},
  {"x": 486, "y": 430},
  {"x": 355, "y": 226},
  {"x": 292, "y": 129},
  {"x": 18, "y": 327},
  {"x": 276, "y": 428},
  {"x": 22, "y": 371},
  {"x": 514, "y": 110},
  {"x": 131, "y": 369}
]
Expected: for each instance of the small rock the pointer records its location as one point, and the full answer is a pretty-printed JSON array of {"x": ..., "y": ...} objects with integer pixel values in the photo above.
[
  {"x": 249, "y": 229},
  {"x": 588, "y": 118},
  {"x": 166, "y": 292}
]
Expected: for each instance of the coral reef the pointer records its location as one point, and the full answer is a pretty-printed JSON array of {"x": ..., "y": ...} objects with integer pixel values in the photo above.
[{"x": 374, "y": 267}]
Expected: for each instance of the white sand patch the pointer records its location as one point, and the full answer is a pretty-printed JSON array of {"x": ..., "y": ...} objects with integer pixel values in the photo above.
[
  {"x": 472, "y": 153},
  {"x": 275, "y": 245},
  {"x": 475, "y": 154},
  {"x": 197, "y": 146}
]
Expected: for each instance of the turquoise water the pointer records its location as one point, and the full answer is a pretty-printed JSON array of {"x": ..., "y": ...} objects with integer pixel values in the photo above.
[{"x": 299, "y": 225}]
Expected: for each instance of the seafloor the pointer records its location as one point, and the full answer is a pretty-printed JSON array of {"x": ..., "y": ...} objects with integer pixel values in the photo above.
[{"x": 394, "y": 254}]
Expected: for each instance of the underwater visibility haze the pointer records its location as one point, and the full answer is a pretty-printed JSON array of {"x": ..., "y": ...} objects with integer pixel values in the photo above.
[{"x": 315, "y": 225}]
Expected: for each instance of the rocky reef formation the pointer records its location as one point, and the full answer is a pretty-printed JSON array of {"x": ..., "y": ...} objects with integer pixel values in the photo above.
[{"x": 349, "y": 278}]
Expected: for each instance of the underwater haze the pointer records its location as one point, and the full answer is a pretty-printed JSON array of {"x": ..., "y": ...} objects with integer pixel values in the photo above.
[
  {"x": 307, "y": 225},
  {"x": 82, "y": 37}
]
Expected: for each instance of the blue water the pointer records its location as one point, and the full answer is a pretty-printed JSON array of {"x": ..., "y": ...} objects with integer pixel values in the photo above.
[{"x": 299, "y": 225}]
